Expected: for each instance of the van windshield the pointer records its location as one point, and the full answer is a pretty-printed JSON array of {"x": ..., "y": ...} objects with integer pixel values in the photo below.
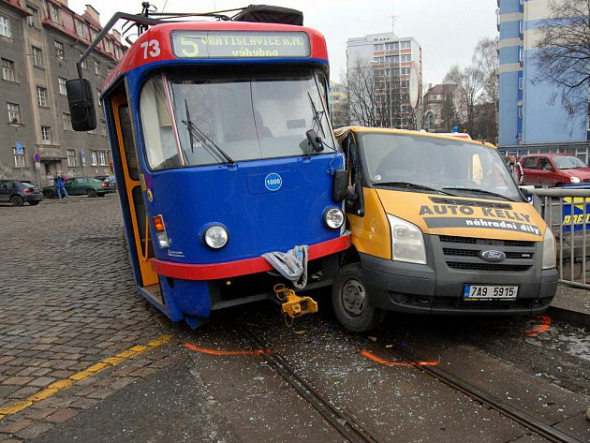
[
  {"x": 229, "y": 117},
  {"x": 567, "y": 162},
  {"x": 421, "y": 163}
]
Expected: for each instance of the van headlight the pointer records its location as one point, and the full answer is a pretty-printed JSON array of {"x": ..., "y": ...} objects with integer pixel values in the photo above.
[
  {"x": 575, "y": 179},
  {"x": 549, "y": 256},
  {"x": 407, "y": 241}
]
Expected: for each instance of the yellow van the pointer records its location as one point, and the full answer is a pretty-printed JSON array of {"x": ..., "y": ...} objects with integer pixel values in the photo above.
[{"x": 438, "y": 227}]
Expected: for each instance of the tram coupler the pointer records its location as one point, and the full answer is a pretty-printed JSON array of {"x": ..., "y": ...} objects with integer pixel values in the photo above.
[{"x": 294, "y": 306}]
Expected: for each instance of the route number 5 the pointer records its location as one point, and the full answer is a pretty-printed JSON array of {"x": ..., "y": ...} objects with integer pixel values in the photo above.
[{"x": 151, "y": 48}]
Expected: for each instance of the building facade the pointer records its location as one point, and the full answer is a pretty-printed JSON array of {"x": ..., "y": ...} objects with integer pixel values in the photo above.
[
  {"x": 531, "y": 115},
  {"x": 40, "y": 43},
  {"x": 439, "y": 107},
  {"x": 392, "y": 60}
]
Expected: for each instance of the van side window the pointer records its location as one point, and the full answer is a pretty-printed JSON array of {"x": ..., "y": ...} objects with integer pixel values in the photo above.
[{"x": 544, "y": 164}]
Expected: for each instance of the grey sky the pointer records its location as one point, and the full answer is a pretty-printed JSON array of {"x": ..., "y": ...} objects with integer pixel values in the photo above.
[{"x": 447, "y": 30}]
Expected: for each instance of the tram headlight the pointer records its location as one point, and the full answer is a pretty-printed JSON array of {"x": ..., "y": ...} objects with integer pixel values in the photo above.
[
  {"x": 334, "y": 218},
  {"x": 549, "y": 253},
  {"x": 216, "y": 236},
  {"x": 407, "y": 241}
]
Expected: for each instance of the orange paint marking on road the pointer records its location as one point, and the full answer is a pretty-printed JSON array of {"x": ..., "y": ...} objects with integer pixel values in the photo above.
[
  {"x": 540, "y": 328},
  {"x": 382, "y": 361},
  {"x": 217, "y": 352}
]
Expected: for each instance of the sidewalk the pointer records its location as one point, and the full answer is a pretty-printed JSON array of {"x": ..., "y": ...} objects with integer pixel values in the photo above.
[{"x": 571, "y": 304}]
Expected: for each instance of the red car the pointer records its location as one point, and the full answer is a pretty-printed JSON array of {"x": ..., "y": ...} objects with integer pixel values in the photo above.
[{"x": 554, "y": 170}]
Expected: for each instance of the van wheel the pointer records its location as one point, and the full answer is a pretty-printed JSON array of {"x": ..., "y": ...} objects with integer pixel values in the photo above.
[{"x": 350, "y": 300}]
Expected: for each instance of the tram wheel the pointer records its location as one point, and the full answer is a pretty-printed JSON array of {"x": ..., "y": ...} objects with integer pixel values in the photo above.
[{"x": 350, "y": 300}]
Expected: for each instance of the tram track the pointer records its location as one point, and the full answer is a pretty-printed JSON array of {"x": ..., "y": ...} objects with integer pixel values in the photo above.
[
  {"x": 344, "y": 421},
  {"x": 522, "y": 418}
]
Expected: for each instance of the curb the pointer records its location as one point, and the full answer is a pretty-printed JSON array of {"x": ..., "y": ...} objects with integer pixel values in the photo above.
[{"x": 569, "y": 316}]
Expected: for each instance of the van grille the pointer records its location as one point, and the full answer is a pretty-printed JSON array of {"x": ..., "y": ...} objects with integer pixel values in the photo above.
[{"x": 464, "y": 253}]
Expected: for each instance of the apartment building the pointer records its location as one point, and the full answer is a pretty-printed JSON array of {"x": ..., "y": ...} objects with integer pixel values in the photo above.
[
  {"x": 392, "y": 60},
  {"x": 40, "y": 43},
  {"x": 531, "y": 115}
]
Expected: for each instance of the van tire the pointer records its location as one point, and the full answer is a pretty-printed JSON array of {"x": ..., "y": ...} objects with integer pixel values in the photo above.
[{"x": 350, "y": 300}]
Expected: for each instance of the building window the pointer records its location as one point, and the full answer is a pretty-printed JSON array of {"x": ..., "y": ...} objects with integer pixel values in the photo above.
[
  {"x": 392, "y": 46},
  {"x": 55, "y": 14},
  {"x": 67, "y": 121},
  {"x": 102, "y": 157},
  {"x": 8, "y": 70},
  {"x": 37, "y": 57},
  {"x": 520, "y": 112},
  {"x": 62, "y": 86},
  {"x": 107, "y": 46},
  {"x": 520, "y": 27},
  {"x": 71, "y": 153},
  {"x": 98, "y": 93},
  {"x": 32, "y": 19},
  {"x": 93, "y": 35},
  {"x": 520, "y": 83},
  {"x": 103, "y": 128},
  {"x": 19, "y": 159},
  {"x": 520, "y": 54},
  {"x": 13, "y": 113},
  {"x": 84, "y": 64},
  {"x": 97, "y": 67},
  {"x": 79, "y": 28},
  {"x": 405, "y": 71},
  {"x": 42, "y": 97},
  {"x": 59, "y": 50},
  {"x": 405, "y": 45},
  {"x": 406, "y": 58},
  {"x": 46, "y": 135},
  {"x": 93, "y": 158},
  {"x": 5, "y": 27}
]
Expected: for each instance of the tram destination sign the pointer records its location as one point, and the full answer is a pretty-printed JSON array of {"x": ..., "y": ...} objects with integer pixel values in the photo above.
[{"x": 234, "y": 44}]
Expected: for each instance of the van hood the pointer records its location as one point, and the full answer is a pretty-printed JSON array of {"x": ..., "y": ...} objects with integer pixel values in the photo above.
[{"x": 464, "y": 216}]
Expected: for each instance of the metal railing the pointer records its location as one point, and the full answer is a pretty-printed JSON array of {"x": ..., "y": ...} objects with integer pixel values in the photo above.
[{"x": 566, "y": 211}]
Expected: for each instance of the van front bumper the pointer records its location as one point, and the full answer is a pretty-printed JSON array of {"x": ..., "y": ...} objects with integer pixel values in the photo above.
[{"x": 416, "y": 288}]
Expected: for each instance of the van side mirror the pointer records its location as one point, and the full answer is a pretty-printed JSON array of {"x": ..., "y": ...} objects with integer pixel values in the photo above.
[
  {"x": 315, "y": 140},
  {"x": 81, "y": 103},
  {"x": 341, "y": 189}
]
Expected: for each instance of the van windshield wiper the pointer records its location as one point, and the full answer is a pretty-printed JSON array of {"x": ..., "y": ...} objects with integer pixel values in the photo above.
[
  {"x": 478, "y": 191},
  {"x": 415, "y": 186},
  {"x": 210, "y": 145}
]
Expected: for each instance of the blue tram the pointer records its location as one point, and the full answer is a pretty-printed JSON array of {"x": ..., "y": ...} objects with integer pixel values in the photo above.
[{"x": 223, "y": 152}]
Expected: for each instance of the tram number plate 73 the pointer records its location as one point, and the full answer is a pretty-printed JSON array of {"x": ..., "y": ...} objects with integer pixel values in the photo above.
[{"x": 482, "y": 292}]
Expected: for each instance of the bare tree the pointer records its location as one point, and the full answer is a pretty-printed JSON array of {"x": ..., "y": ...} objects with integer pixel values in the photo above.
[
  {"x": 564, "y": 54},
  {"x": 469, "y": 84},
  {"x": 485, "y": 59},
  {"x": 360, "y": 85}
]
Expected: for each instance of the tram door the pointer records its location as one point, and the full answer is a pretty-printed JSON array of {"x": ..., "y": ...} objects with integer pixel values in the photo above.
[{"x": 134, "y": 211}]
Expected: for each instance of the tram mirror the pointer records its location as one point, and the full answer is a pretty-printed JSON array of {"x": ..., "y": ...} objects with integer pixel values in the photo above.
[
  {"x": 315, "y": 140},
  {"x": 341, "y": 189},
  {"x": 81, "y": 103}
]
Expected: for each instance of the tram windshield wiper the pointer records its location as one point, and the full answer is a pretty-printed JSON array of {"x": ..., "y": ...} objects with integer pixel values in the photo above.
[
  {"x": 414, "y": 186},
  {"x": 210, "y": 145},
  {"x": 477, "y": 191},
  {"x": 317, "y": 120}
]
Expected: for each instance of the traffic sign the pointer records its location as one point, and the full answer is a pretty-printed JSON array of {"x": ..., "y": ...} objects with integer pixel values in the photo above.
[
  {"x": 37, "y": 158},
  {"x": 83, "y": 156},
  {"x": 19, "y": 148},
  {"x": 37, "y": 165}
]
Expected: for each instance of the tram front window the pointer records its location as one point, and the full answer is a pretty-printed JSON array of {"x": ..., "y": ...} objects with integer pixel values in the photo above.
[{"x": 227, "y": 119}]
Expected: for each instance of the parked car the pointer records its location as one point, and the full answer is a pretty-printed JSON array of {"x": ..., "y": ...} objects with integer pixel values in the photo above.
[
  {"x": 18, "y": 192},
  {"x": 80, "y": 186},
  {"x": 110, "y": 183},
  {"x": 101, "y": 177},
  {"x": 554, "y": 170}
]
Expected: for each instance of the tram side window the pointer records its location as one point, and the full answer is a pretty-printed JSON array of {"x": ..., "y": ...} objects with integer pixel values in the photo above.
[
  {"x": 158, "y": 135},
  {"x": 130, "y": 148}
]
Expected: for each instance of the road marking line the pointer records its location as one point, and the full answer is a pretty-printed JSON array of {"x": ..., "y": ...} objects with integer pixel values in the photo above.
[{"x": 60, "y": 385}]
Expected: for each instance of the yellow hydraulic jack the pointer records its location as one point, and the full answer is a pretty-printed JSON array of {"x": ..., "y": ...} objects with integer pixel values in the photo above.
[{"x": 294, "y": 306}]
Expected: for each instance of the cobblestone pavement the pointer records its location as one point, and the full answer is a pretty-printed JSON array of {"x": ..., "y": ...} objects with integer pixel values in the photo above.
[{"x": 72, "y": 328}]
